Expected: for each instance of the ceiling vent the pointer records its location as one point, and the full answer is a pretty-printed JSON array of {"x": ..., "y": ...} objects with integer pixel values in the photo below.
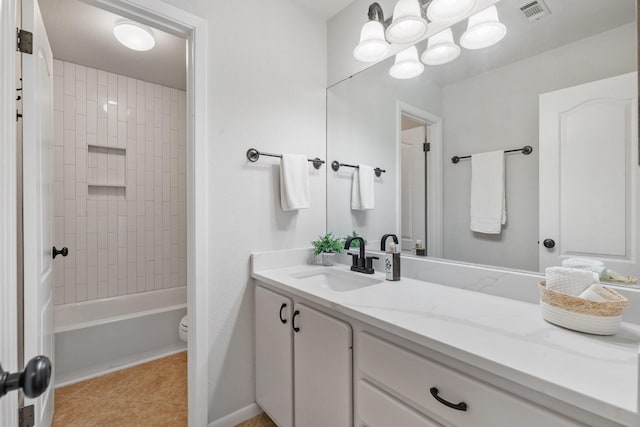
[{"x": 535, "y": 10}]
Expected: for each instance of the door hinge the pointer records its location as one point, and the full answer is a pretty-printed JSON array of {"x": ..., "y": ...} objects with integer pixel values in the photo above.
[
  {"x": 426, "y": 147},
  {"x": 25, "y": 41},
  {"x": 26, "y": 416}
]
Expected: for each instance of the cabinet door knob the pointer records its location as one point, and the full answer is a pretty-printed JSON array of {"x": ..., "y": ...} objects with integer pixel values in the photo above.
[
  {"x": 282, "y": 307},
  {"x": 293, "y": 321},
  {"x": 457, "y": 406},
  {"x": 64, "y": 252},
  {"x": 549, "y": 243}
]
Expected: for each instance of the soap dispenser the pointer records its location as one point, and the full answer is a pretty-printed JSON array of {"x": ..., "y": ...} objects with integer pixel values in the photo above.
[{"x": 392, "y": 257}]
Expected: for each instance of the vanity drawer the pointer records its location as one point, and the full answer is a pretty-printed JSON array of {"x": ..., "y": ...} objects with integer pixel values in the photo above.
[
  {"x": 412, "y": 377},
  {"x": 377, "y": 409}
]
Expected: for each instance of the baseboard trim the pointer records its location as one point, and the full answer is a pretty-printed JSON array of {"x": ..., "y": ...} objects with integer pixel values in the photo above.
[{"x": 238, "y": 416}]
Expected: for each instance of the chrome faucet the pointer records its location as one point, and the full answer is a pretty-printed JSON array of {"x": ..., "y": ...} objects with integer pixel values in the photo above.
[{"x": 360, "y": 263}]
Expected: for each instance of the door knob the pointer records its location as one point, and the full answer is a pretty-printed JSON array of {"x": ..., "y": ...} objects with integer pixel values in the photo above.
[
  {"x": 64, "y": 252},
  {"x": 34, "y": 380},
  {"x": 549, "y": 243}
]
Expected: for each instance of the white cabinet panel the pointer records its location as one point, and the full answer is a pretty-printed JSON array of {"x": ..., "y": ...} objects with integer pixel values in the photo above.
[
  {"x": 323, "y": 370},
  {"x": 377, "y": 409},
  {"x": 274, "y": 356},
  {"x": 412, "y": 377}
]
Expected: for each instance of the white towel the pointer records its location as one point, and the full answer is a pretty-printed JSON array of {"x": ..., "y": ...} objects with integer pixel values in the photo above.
[
  {"x": 294, "y": 182},
  {"x": 362, "y": 190},
  {"x": 572, "y": 281},
  {"x": 488, "y": 212},
  {"x": 598, "y": 293}
]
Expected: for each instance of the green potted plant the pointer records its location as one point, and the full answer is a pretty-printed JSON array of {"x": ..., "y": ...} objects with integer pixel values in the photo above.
[{"x": 328, "y": 246}]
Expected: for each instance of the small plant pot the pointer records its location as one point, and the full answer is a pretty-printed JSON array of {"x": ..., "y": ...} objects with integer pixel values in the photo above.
[{"x": 327, "y": 258}]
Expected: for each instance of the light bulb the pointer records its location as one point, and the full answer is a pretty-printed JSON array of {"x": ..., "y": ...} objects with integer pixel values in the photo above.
[
  {"x": 449, "y": 11},
  {"x": 407, "y": 26},
  {"x": 372, "y": 47},
  {"x": 407, "y": 65},
  {"x": 440, "y": 49},
  {"x": 483, "y": 30}
]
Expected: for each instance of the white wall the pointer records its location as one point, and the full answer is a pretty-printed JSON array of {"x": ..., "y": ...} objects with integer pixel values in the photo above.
[
  {"x": 362, "y": 128},
  {"x": 499, "y": 110},
  {"x": 267, "y": 68},
  {"x": 120, "y": 210}
]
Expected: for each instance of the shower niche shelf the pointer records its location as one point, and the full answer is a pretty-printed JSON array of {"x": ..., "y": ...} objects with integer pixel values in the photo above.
[{"x": 106, "y": 167}]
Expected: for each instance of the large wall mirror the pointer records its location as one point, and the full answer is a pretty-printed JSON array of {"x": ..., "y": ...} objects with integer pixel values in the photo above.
[{"x": 563, "y": 84}]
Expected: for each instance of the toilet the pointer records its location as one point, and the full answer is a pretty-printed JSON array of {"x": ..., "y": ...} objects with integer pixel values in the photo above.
[{"x": 183, "y": 329}]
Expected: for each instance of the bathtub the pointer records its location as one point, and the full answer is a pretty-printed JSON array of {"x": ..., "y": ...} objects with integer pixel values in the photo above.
[{"x": 96, "y": 337}]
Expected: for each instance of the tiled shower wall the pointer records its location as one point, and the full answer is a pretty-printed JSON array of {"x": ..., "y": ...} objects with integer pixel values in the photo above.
[{"x": 119, "y": 191}]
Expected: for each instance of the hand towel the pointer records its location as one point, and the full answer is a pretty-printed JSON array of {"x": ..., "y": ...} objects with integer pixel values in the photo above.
[
  {"x": 362, "y": 188},
  {"x": 488, "y": 212},
  {"x": 294, "y": 182},
  {"x": 570, "y": 281}
]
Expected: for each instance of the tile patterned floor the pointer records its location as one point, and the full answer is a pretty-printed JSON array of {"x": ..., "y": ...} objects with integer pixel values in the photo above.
[
  {"x": 151, "y": 394},
  {"x": 261, "y": 420}
]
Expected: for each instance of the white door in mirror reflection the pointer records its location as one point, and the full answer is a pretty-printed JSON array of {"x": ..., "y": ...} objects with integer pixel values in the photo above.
[
  {"x": 413, "y": 186},
  {"x": 589, "y": 173}
]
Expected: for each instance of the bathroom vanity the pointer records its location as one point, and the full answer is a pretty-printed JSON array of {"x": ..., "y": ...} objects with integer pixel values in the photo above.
[{"x": 339, "y": 348}]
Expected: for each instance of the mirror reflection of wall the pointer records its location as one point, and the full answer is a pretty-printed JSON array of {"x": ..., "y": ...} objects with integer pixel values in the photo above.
[{"x": 493, "y": 99}]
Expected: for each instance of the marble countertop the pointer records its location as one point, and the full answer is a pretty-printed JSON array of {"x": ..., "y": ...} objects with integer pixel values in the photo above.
[{"x": 503, "y": 336}]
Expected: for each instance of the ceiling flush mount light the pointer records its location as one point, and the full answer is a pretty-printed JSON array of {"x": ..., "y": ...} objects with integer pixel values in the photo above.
[
  {"x": 134, "y": 36},
  {"x": 372, "y": 47},
  {"x": 408, "y": 26},
  {"x": 449, "y": 10},
  {"x": 441, "y": 49},
  {"x": 483, "y": 30},
  {"x": 407, "y": 65}
]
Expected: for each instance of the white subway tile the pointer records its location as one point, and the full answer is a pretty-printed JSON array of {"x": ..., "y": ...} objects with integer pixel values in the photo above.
[
  {"x": 58, "y": 128},
  {"x": 69, "y": 79},
  {"x": 81, "y": 97},
  {"x": 58, "y": 68},
  {"x": 92, "y": 84},
  {"x": 70, "y": 182},
  {"x": 69, "y": 105},
  {"x": 58, "y": 93},
  {"x": 92, "y": 116},
  {"x": 81, "y": 165}
]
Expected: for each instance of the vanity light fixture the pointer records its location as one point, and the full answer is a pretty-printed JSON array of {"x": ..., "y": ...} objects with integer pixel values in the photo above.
[
  {"x": 408, "y": 26},
  {"x": 484, "y": 29},
  {"x": 449, "y": 11},
  {"x": 407, "y": 65},
  {"x": 134, "y": 36},
  {"x": 441, "y": 49}
]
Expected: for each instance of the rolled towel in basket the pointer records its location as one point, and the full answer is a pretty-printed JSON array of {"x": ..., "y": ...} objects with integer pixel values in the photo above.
[
  {"x": 572, "y": 281},
  {"x": 598, "y": 293}
]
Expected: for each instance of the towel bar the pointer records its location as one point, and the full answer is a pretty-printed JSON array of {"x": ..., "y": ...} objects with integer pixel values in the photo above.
[
  {"x": 253, "y": 155},
  {"x": 526, "y": 150},
  {"x": 335, "y": 165}
]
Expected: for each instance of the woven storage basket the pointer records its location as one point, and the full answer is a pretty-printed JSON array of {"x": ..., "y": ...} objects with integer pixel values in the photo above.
[{"x": 579, "y": 314}]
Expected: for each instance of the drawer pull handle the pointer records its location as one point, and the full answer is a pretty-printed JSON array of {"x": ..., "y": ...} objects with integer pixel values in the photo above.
[
  {"x": 282, "y": 307},
  {"x": 457, "y": 406}
]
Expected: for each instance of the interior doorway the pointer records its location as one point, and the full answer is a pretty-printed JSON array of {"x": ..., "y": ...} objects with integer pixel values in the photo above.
[
  {"x": 419, "y": 162},
  {"x": 413, "y": 149},
  {"x": 193, "y": 30}
]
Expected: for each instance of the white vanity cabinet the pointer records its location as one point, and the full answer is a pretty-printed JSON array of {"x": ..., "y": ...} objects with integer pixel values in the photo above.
[{"x": 301, "y": 343}]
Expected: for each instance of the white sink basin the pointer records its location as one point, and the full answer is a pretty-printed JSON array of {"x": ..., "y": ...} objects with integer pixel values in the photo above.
[{"x": 340, "y": 281}]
